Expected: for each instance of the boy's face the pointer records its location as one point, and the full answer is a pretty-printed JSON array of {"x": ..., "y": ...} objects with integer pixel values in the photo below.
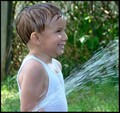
[{"x": 54, "y": 37}]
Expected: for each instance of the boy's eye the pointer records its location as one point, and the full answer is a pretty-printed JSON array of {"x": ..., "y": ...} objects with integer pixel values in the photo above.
[{"x": 58, "y": 30}]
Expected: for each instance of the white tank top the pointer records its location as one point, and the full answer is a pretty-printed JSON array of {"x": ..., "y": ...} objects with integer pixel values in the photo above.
[{"x": 55, "y": 99}]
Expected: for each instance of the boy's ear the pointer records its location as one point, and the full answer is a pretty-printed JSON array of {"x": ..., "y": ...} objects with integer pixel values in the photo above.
[{"x": 35, "y": 37}]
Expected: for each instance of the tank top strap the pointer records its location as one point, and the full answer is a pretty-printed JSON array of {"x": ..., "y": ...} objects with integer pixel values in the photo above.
[
  {"x": 35, "y": 58},
  {"x": 29, "y": 58}
]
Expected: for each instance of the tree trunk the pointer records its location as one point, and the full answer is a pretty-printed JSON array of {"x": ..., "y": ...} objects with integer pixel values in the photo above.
[{"x": 6, "y": 31}]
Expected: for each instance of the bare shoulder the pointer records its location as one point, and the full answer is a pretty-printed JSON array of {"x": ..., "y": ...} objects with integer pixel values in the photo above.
[
  {"x": 33, "y": 70},
  {"x": 58, "y": 63},
  {"x": 32, "y": 84}
]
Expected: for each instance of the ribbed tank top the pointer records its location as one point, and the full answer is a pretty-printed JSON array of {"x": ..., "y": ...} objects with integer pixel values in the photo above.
[{"x": 55, "y": 99}]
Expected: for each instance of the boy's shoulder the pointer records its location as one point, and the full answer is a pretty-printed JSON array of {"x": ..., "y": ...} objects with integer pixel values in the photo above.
[
  {"x": 32, "y": 77},
  {"x": 33, "y": 67}
]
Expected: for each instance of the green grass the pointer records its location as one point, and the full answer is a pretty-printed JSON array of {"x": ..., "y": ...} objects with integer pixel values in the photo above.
[
  {"x": 9, "y": 95},
  {"x": 96, "y": 98}
]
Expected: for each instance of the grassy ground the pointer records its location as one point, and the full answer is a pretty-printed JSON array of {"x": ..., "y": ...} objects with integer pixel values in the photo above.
[
  {"x": 9, "y": 95},
  {"x": 100, "y": 97}
]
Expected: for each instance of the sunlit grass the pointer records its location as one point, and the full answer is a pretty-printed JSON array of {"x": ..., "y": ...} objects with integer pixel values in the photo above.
[
  {"x": 9, "y": 95},
  {"x": 96, "y": 98}
]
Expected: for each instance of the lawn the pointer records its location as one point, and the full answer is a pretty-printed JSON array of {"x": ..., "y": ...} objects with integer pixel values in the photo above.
[{"x": 95, "y": 98}]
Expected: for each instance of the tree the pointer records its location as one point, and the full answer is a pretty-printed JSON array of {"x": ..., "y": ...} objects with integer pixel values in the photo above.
[{"x": 6, "y": 36}]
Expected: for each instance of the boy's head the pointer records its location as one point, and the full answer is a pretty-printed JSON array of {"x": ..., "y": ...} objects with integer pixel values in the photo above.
[{"x": 34, "y": 18}]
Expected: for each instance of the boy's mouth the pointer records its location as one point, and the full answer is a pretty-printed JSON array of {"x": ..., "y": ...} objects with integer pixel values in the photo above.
[{"x": 61, "y": 46}]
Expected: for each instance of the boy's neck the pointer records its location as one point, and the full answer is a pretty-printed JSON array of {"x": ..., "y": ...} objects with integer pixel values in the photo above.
[{"x": 45, "y": 58}]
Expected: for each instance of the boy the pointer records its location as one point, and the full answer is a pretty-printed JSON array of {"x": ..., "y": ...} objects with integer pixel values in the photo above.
[{"x": 42, "y": 28}]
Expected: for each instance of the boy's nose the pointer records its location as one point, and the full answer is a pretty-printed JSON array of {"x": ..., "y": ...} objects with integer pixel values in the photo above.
[{"x": 65, "y": 37}]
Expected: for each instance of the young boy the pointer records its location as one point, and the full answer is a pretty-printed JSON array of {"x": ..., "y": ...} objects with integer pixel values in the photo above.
[{"x": 41, "y": 86}]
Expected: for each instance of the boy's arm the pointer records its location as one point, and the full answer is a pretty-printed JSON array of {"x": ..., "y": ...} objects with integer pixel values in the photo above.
[{"x": 33, "y": 85}]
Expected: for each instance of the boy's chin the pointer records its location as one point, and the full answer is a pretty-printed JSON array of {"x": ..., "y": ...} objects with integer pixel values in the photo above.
[{"x": 60, "y": 53}]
